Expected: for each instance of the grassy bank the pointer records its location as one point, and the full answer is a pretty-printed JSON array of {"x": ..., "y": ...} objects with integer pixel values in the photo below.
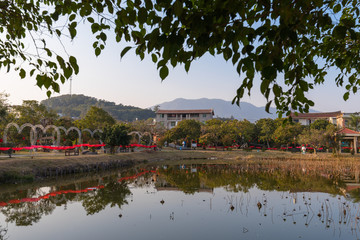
[{"x": 43, "y": 165}]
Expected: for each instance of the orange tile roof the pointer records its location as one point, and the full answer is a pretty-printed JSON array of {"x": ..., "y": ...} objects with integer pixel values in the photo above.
[
  {"x": 186, "y": 111},
  {"x": 316, "y": 115},
  {"x": 347, "y": 131}
]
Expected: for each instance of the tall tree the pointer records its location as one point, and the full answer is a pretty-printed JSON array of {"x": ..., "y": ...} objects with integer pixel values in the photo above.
[
  {"x": 318, "y": 137},
  {"x": 211, "y": 132},
  {"x": 116, "y": 135},
  {"x": 286, "y": 134},
  {"x": 320, "y": 124},
  {"x": 261, "y": 38},
  {"x": 95, "y": 118},
  {"x": 186, "y": 130},
  {"x": 265, "y": 128},
  {"x": 33, "y": 112}
]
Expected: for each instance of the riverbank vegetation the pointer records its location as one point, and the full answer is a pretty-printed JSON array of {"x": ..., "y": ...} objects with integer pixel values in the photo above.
[{"x": 44, "y": 165}]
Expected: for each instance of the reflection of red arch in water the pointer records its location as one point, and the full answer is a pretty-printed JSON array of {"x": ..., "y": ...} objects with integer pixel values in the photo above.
[
  {"x": 53, "y": 194},
  {"x": 135, "y": 176}
]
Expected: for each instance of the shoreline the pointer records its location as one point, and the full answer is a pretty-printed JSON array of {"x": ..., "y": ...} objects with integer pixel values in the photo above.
[{"x": 29, "y": 168}]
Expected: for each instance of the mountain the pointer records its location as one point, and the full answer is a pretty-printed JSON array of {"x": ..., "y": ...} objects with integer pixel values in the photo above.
[
  {"x": 77, "y": 105},
  {"x": 222, "y": 108}
]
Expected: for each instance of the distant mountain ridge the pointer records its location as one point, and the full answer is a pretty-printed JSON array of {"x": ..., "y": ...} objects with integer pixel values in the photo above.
[
  {"x": 77, "y": 105},
  {"x": 222, "y": 108}
]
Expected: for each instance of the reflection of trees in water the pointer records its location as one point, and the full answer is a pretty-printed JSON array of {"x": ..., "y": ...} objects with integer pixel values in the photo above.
[
  {"x": 27, "y": 213},
  {"x": 114, "y": 194},
  {"x": 240, "y": 178},
  {"x": 187, "y": 182},
  {"x": 234, "y": 178},
  {"x": 3, "y": 233}
]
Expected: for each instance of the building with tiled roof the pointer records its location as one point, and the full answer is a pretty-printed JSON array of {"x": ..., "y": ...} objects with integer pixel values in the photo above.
[
  {"x": 351, "y": 136},
  {"x": 308, "y": 118},
  {"x": 170, "y": 118}
]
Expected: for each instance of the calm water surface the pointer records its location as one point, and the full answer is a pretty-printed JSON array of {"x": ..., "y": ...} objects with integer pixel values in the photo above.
[{"x": 184, "y": 202}]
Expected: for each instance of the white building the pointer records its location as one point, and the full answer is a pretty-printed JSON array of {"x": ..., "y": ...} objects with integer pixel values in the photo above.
[
  {"x": 170, "y": 118},
  {"x": 308, "y": 118}
]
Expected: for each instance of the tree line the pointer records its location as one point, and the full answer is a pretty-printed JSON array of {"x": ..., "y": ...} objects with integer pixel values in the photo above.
[{"x": 264, "y": 133}]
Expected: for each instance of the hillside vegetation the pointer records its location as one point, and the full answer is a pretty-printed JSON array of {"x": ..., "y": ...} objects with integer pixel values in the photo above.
[{"x": 77, "y": 105}]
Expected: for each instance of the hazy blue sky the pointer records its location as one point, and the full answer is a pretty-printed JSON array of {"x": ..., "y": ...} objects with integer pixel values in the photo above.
[{"x": 137, "y": 83}]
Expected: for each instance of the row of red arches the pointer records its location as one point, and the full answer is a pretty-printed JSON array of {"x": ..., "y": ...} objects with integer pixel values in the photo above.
[{"x": 70, "y": 147}]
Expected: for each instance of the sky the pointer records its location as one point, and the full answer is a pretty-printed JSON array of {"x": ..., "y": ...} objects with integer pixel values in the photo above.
[{"x": 130, "y": 81}]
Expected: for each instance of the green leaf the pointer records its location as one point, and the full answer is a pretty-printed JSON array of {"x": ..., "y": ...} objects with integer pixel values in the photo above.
[
  {"x": 72, "y": 32},
  {"x": 72, "y": 17},
  {"x": 32, "y": 72},
  {"x": 97, "y": 51},
  {"x": 142, "y": 15},
  {"x": 227, "y": 53},
  {"x": 187, "y": 66},
  {"x": 74, "y": 64},
  {"x": 164, "y": 72},
  {"x": 124, "y": 51},
  {"x": 269, "y": 72},
  {"x": 304, "y": 85},
  {"x": 337, "y": 8},
  {"x": 22, "y": 73},
  {"x": 264, "y": 85},
  {"x": 277, "y": 90},
  {"x": 68, "y": 72},
  {"x": 267, "y": 107},
  {"x": 346, "y": 96},
  {"x": 58, "y": 32},
  {"x": 154, "y": 58},
  {"x": 178, "y": 8},
  {"x": 339, "y": 32}
]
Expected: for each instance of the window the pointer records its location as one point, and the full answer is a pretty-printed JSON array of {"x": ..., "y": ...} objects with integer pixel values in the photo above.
[
  {"x": 184, "y": 115},
  {"x": 162, "y": 115},
  {"x": 204, "y": 115},
  {"x": 172, "y": 124},
  {"x": 296, "y": 120},
  {"x": 171, "y": 115},
  {"x": 194, "y": 115}
]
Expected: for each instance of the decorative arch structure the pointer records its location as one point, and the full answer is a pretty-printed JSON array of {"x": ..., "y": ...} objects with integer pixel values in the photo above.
[
  {"x": 34, "y": 131},
  {"x": 137, "y": 133},
  {"x": 19, "y": 129},
  {"x": 92, "y": 133},
  {"x": 141, "y": 135},
  {"x": 150, "y": 135},
  {"x": 77, "y": 130}
]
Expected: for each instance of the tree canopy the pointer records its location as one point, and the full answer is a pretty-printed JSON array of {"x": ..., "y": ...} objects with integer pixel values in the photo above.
[
  {"x": 290, "y": 45},
  {"x": 96, "y": 118}
]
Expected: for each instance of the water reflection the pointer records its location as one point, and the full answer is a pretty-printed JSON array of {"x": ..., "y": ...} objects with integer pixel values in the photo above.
[
  {"x": 253, "y": 200},
  {"x": 3, "y": 233}
]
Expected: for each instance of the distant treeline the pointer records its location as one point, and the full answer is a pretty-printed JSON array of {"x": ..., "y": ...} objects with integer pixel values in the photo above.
[{"x": 77, "y": 106}]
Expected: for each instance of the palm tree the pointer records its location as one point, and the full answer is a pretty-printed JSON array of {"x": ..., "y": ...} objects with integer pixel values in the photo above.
[{"x": 354, "y": 121}]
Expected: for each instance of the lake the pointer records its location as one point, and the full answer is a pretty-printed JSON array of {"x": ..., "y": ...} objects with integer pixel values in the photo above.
[{"x": 217, "y": 201}]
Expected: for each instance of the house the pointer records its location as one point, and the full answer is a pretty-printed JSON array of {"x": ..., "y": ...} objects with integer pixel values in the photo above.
[
  {"x": 308, "y": 118},
  {"x": 338, "y": 118},
  {"x": 170, "y": 118},
  {"x": 344, "y": 120}
]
